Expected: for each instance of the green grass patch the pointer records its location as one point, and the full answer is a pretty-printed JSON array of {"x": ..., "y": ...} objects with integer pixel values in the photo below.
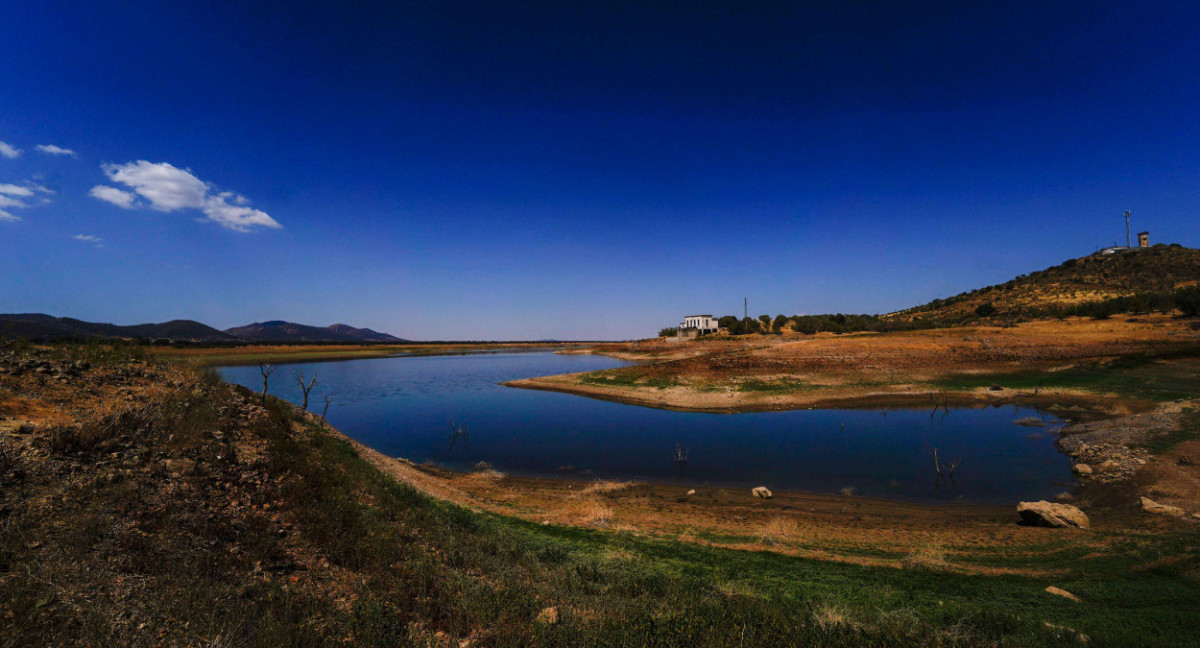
[
  {"x": 1158, "y": 378},
  {"x": 627, "y": 378}
]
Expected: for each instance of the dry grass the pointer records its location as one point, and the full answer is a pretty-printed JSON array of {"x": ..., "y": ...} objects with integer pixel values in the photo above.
[
  {"x": 779, "y": 531},
  {"x": 834, "y": 361},
  {"x": 734, "y": 588},
  {"x": 594, "y": 514},
  {"x": 829, "y": 617},
  {"x": 930, "y": 557},
  {"x": 602, "y": 487}
]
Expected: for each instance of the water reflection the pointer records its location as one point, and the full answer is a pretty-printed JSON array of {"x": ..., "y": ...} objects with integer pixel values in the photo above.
[{"x": 402, "y": 407}]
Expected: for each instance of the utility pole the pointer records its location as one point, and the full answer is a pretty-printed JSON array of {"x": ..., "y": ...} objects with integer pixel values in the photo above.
[
  {"x": 1127, "y": 241},
  {"x": 744, "y": 307}
]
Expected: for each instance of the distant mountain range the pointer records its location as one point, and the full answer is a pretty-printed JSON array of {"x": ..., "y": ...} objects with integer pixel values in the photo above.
[
  {"x": 46, "y": 327},
  {"x": 279, "y": 331}
]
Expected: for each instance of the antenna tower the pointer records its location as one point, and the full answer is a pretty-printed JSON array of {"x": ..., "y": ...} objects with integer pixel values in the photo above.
[{"x": 1127, "y": 215}]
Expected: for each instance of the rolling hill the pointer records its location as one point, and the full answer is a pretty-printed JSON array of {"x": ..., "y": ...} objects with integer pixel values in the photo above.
[
  {"x": 280, "y": 331},
  {"x": 1092, "y": 278},
  {"x": 38, "y": 326},
  {"x": 47, "y": 327}
]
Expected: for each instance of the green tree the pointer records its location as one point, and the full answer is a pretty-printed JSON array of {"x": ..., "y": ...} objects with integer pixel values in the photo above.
[
  {"x": 779, "y": 323},
  {"x": 668, "y": 332},
  {"x": 1187, "y": 300},
  {"x": 985, "y": 309}
]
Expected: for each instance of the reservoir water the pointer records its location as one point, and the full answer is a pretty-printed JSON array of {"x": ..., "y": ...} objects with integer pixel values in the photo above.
[{"x": 404, "y": 407}]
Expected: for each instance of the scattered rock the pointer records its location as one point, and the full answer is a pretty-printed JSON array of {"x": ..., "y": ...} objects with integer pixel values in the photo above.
[
  {"x": 177, "y": 467},
  {"x": 1030, "y": 421},
  {"x": 1107, "y": 466},
  {"x": 1082, "y": 469},
  {"x": 549, "y": 616},
  {"x": 691, "y": 492},
  {"x": 1150, "y": 506},
  {"x": 1048, "y": 514},
  {"x": 762, "y": 492},
  {"x": 1062, "y": 592}
]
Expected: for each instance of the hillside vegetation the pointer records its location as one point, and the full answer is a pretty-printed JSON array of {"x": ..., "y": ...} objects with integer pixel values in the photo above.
[{"x": 1156, "y": 270}]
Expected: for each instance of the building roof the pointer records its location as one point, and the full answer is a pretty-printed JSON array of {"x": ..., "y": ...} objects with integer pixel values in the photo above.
[{"x": 687, "y": 316}]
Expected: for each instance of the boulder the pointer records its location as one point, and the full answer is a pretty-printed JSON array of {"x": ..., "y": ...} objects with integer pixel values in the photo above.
[
  {"x": 1108, "y": 466},
  {"x": 762, "y": 492},
  {"x": 1150, "y": 506},
  {"x": 1082, "y": 469},
  {"x": 1048, "y": 514}
]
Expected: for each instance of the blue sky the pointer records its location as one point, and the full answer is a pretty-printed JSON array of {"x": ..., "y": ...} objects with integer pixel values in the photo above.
[{"x": 449, "y": 170}]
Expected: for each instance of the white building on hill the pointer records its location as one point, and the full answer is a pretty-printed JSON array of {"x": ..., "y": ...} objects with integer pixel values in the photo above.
[{"x": 694, "y": 325}]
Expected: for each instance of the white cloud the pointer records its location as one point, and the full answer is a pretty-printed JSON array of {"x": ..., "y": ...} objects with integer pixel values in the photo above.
[
  {"x": 51, "y": 149},
  {"x": 88, "y": 238},
  {"x": 16, "y": 190},
  {"x": 13, "y": 197},
  {"x": 169, "y": 188},
  {"x": 9, "y": 151},
  {"x": 122, "y": 199}
]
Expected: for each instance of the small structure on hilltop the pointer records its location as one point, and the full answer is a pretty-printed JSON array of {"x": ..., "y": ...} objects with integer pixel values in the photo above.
[
  {"x": 694, "y": 325},
  {"x": 1143, "y": 240}
]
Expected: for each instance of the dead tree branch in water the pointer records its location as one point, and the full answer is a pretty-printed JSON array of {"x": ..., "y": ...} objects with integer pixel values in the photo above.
[
  {"x": 945, "y": 471},
  {"x": 457, "y": 431},
  {"x": 681, "y": 458}
]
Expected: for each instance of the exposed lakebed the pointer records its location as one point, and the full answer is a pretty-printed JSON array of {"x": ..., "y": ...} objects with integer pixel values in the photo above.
[{"x": 405, "y": 406}]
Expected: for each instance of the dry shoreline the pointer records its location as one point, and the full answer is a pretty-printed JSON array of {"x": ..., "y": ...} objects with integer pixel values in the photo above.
[
  {"x": 829, "y": 527},
  {"x": 684, "y": 399}
]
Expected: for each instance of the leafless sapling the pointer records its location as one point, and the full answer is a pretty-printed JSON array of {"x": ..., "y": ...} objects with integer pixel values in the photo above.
[
  {"x": 266, "y": 369},
  {"x": 305, "y": 388},
  {"x": 328, "y": 401}
]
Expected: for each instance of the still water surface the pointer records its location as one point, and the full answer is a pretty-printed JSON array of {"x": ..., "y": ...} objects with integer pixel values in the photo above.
[{"x": 404, "y": 407}]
